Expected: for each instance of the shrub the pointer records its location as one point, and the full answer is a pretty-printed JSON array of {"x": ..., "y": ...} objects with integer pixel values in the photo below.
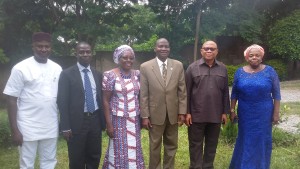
[
  {"x": 283, "y": 37},
  {"x": 231, "y": 69},
  {"x": 5, "y": 138},
  {"x": 229, "y": 131},
  {"x": 280, "y": 66}
]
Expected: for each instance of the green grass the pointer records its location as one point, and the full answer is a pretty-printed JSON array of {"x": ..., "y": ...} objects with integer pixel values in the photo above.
[
  {"x": 289, "y": 108},
  {"x": 284, "y": 156},
  {"x": 286, "y": 148}
]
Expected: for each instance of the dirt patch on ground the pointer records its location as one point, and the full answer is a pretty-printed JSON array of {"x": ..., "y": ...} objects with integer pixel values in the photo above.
[
  {"x": 290, "y": 124},
  {"x": 290, "y": 95}
]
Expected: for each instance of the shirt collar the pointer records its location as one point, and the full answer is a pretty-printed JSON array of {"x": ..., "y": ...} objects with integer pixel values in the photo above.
[
  {"x": 160, "y": 62},
  {"x": 202, "y": 61},
  {"x": 82, "y": 67}
]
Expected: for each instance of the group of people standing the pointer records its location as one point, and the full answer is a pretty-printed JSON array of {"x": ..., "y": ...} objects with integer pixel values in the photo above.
[{"x": 159, "y": 97}]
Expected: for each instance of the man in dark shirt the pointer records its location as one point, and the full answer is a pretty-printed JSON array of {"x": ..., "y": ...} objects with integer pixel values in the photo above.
[{"x": 208, "y": 104}]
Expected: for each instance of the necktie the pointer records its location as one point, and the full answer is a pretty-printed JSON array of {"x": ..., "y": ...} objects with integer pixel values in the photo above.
[
  {"x": 164, "y": 72},
  {"x": 89, "y": 98}
]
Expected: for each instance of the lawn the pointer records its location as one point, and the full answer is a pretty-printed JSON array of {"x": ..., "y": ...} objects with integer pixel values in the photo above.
[{"x": 286, "y": 149}]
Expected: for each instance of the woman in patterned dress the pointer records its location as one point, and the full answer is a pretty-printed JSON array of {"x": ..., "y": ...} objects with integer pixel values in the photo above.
[{"x": 122, "y": 112}]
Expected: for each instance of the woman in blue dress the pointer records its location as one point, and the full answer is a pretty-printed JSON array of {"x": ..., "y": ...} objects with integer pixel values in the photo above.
[{"x": 257, "y": 90}]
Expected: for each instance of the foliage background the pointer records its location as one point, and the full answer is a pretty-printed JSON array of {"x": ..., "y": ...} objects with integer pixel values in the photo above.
[
  {"x": 108, "y": 23},
  {"x": 280, "y": 66}
]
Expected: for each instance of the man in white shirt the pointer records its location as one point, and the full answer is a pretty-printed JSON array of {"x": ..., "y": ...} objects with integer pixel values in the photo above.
[{"x": 31, "y": 98}]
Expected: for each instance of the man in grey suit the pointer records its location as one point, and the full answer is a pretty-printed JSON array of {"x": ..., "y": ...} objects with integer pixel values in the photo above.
[
  {"x": 163, "y": 103},
  {"x": 80, "y": 105}
]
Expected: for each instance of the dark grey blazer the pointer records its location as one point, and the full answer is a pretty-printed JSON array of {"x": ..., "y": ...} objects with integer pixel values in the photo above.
[{"x": 70, "y": 99}]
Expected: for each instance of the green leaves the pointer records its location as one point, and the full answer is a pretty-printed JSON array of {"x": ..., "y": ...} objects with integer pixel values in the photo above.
[
  {"x": 3, "y": 58},
  {"x": 109, "y": 23},
  {"x": 146, "y": 46},
  {"x": 284, "y": 37}
]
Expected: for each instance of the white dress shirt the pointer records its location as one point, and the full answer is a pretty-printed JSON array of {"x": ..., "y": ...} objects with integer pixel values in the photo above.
[
  {"x": 93, "y": 84},
  {"x": 160, "y": 65}
]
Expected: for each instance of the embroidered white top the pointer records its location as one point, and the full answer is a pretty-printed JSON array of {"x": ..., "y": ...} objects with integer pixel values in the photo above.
[{"x": 35, "y": 85}]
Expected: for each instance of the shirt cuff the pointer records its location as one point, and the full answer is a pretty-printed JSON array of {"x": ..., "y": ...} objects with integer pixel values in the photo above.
[{"x": 65, "y": 131}]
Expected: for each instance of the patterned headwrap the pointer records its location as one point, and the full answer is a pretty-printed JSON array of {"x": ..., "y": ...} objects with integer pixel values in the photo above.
[
  {"x": 254, "y": 46},
  {"x": 119, "y": 52}
]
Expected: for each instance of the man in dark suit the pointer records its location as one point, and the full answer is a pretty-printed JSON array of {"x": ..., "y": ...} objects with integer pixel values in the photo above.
[{"x": 80, "y": 105}]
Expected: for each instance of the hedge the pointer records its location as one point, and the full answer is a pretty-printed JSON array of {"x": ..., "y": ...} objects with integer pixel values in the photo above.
[
  {"x": 280, "y": 66},
  {"x": 5, "y": 138}
]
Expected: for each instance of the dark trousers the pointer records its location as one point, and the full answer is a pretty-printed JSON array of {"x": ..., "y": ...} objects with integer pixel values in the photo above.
[
  {"x": 85, "y": 146},
  {"x": 197, "y": 132}
]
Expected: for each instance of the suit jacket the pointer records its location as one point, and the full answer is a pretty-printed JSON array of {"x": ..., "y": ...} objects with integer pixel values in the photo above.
[
  {"x": 157, "y": 99},
  {"x": 71, "y": 98}
]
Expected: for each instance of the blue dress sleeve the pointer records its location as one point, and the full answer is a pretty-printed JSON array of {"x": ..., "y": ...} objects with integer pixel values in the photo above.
[
  {"x": 275, "y": 85},
  {"x": 234, "y": 92}
]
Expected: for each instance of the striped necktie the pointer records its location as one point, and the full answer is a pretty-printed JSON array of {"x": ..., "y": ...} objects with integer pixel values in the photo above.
[{"x": 164, "y": 72}]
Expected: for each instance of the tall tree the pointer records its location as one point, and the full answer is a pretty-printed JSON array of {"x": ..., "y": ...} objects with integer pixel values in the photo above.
[
  {"x": 106, "y": 23},
  {"x": 68, "y": 20},
  {"x": 140, "y": 28},
  {"x": 180, "y": 19},
  {"x": 284, "y": 37}
]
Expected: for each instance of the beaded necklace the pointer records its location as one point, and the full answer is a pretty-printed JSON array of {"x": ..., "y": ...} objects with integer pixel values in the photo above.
[{"x": 123, "y": 74}]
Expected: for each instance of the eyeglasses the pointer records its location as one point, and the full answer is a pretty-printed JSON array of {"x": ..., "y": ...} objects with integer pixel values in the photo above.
[{"x": 211, "y": 49}]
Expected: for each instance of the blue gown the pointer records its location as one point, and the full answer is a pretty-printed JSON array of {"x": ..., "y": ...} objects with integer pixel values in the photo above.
[{"x": 255, "y": 93}]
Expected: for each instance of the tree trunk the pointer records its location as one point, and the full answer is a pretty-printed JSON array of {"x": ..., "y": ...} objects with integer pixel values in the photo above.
[{"x": 197, "y": 34}]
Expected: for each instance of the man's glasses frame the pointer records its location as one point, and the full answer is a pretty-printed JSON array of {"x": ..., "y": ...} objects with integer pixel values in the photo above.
[{"x": 207, "y": 49}]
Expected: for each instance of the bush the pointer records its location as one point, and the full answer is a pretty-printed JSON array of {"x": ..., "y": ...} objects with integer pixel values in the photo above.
[
  {"x": 229, "y": 132},
  {"x": 231, "y": 69},
  {"x": 283, "y": 37},
  {"x": 5, "y": 138},
  {"x": 280, "y": 67}
]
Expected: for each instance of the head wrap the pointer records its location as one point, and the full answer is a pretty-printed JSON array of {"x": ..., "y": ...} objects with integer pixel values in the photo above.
[
  {"x": 119, "y": 52},
  {"x": 254, "y": 46},
  {"x": 41, "y": 36}
]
